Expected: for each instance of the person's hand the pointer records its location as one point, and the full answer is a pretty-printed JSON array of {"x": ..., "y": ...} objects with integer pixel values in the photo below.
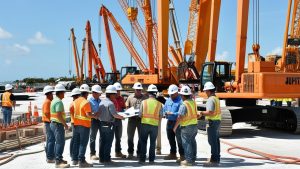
[
  {"x": 66, "y": 126},
  {"x": 174, "y": 129},
  {"x": 199, "y": 114}
]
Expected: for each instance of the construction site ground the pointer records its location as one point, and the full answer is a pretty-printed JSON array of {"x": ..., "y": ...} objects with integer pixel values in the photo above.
[{"x": 261, "y": 139}]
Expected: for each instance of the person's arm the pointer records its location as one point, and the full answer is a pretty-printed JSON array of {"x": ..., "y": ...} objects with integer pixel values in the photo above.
[
  {"x": 61, "y": 119},
  {"x": 210, "y": 109},
  {"x": 181, "y": 112},
  {"x": 113, "y": 112},
  {"x": 127, "y": 103}
]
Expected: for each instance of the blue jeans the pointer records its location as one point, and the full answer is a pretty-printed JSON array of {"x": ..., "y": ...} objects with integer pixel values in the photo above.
[
  {"x": 133, "y": 124},
  {"x": 148, "y": 131},
  {"x": 7, "y": 112},
  {"x": 172, "y": 137},
  {"x": 214, "y": 139},
  {"x": 95, "y": 127},
  {"x": 118, "y": 135},
  {"x": 188, "y": 136},
  {"x": 81, "y": 139},
  {"x": 59, "y": 134},
  {"x": 72, "y": 141},
  {"x": 106, "y": 139},
  {"x": 50, "y": 142}
]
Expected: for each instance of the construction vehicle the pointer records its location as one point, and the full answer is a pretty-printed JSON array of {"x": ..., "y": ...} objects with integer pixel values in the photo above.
[{"x": 262, "y": 80}]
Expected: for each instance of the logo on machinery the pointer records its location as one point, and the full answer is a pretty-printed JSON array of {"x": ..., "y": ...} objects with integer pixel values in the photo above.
[{"x": 292, "y": 81}]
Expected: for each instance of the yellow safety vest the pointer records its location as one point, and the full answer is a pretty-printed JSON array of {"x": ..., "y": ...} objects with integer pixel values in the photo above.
[
  {"x": 190, "y": 117},
  {"x": 6, "y": 102},
  {"x": 217, "y": 115},
  {"x": 151, "y": 109},
  {"x": 53, "y": 115}
]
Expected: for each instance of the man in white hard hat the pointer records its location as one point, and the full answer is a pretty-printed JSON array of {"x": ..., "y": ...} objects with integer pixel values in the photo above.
[
  {"x": 95, "y": 126},
  {"x": 134, "y": 100},
  {"x": 187, "y": 118},
  {"x": 120, "y": 106},
  {"x": 150, "y": 114},
  {"x": 50, "y": 139},
  {"x": 58, "y": 125},
  {"x": 74, "y": 94},
  {"x": 213, "y": 115},
  {"x": 171, "y": 108},
  {"x": 82, "y": 123},
  {"x": 8, "y": 102},
  {"x": 107, "y": 116}
]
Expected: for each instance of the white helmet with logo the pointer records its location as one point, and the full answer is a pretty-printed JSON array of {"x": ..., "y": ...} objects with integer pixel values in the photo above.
[
  {"x": 110, "y": 89},
  {"x": 172, "y": 89},
  {"x": 84, "y": 88},
  {"x": 118, "y": 86},
  {"x": 59, "y": 88},
  {"x": 185, "y": 90},
  {"x": 97, "y": 89},
  {"x": 8, "y": 87},
  {"x": 138, "y": 86},
  {"x": 209, "y": 86},
  {"x": 152, "y": 88},
  {"x": 48, "y": 89},
  {"x": 75, "y": 91}
]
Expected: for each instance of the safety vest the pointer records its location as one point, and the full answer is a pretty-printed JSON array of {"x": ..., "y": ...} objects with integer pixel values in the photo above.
[
  {"x": 46, "y": 111},
  {"x": 190, "y": 117},
  {"x": 217, "y": 115},
  {"x": 80, "y": 118},
  {"x": 6, "y": 102},
  {"x": 72, "y": 112},
  {"x": 151, "y": 109},
  {"x": 53, "y": 115}
]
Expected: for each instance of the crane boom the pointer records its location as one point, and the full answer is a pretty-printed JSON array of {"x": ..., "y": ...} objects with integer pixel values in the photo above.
[{"x": 76, "y": 55}]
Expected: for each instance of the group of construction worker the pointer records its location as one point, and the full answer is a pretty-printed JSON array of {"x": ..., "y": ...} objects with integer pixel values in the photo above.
[{"x": 90, "y": 114}]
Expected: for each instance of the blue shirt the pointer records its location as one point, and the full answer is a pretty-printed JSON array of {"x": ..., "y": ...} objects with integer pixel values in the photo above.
[
  {"x": 172, "y": 106},
  {"x": 94, "y": 104}
]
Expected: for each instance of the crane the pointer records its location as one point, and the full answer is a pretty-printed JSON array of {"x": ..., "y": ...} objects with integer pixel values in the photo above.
[{"x": 76, "y": 56}]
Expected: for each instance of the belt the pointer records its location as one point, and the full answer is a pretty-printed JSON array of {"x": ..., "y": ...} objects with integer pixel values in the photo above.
[
  {"x": 106, "y": 123},
  {"x": 188, "y": 126},
  {"x": 54, "y": 122}
]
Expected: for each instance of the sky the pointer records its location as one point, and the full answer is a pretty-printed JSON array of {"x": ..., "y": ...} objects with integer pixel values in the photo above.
[{"x": 34, "y": 34}]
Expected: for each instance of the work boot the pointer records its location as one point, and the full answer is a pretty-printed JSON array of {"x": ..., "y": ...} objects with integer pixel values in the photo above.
[
  {"x": 185, "y": 163},
  {"x": 94, "y": 157},
  {"x": 151, "y": 163},
  {"x": 121, "y": 155},
  {"x": 64, "y": 161},
  {"x": 181, "y": 158},
  {"x": 84, "y": 164},
  {"x": 171, "y": 156},
  {"x": 211, "y": 164},
  {"x": 50, "y": 161},
  {"x": 110, "y": 162},
  {"x": 75, "y": 162},
  {"x": 61, "y": 164},
  {"x": 142, "y": 162},
  {"x": 130, "y": 156}
]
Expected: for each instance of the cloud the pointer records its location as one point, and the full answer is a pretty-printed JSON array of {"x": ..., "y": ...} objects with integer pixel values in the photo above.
[
  {"x": 4, "y": 34},
  {"x": 39, "y": 38},
  {"x": 15, "y": 50},
  {"x": 20, "y": 48},
  {"x": 224, "y": 56},
  {"x": 7, "y": 61},
  {"x": 276, "y": 51}
]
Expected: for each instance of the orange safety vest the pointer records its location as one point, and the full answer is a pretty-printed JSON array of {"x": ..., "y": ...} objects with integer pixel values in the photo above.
[
  {"x": 190, "y": 117},
  {"x": 72, "y": 112},
  {"x": 6, "y": 102},
  {"x": 46, "y": 111},
  {"x": 81, "y": 107},
  {"x": 151, "y": 109}
]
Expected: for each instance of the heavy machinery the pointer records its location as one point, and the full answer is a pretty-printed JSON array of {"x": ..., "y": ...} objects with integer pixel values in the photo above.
[{"x": 262, "y": 80}]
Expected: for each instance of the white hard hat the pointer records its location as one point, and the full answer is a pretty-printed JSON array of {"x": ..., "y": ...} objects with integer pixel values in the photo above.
[
  {"x": 137, "y": 85},
  {"x": 208, "y": 86},
  {"x": 172, "y": 89},
  {"x": 48, "y": 89},
  {"x": 118, "y": 86},
  {"x": 59, "y": 88},
  {"x": 97, "y": 89},
  {"x": 75, "y": 91},
  {"x": 152, "y": 88},
  {"x": 84, "y": 88},
  {"x": 185, "y": 90},
  {"x": 110, "y": 89},
  {"x": 8, "y": 87}
]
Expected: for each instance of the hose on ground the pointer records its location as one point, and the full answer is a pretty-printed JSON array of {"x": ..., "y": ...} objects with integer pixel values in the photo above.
[{"x": 261, "y": 155}]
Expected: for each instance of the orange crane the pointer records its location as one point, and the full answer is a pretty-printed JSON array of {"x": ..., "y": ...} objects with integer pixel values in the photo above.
[{"x": 76, "y": 57}]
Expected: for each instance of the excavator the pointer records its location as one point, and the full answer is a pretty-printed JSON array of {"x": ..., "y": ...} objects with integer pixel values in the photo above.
[{"x": 264, "y": 78}]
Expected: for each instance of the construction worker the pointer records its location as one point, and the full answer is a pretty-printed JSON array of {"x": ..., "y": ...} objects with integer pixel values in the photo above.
[
  {"x": 95, "y": 126},
  {"x": 187, "y": 119},
  {"x": 213, "y": 115},
  {"x": 82, "y": 123},
  {"x": 107, "y": 116},
  {"x": 58, "y": 125},
  {"x": 50, "y": 139},
  {"x": 134, "y": 100},
  {"x": 8, "y": 102},
  {"x": 170, "y": 110},
  {"x": 74, "y": 94},
  {"x": 150, "y": 114},
  {"x": 120, "y": 106}
]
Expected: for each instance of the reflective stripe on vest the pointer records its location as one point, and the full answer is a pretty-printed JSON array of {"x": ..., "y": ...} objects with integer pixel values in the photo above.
[
  {"x": 80, "y": 118},
  {"x": 190, "y": 117},
  {"x": 6, "y": 102},
  {"x": 217, "y": 115},
  {"x": 150, "y": 114}
]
